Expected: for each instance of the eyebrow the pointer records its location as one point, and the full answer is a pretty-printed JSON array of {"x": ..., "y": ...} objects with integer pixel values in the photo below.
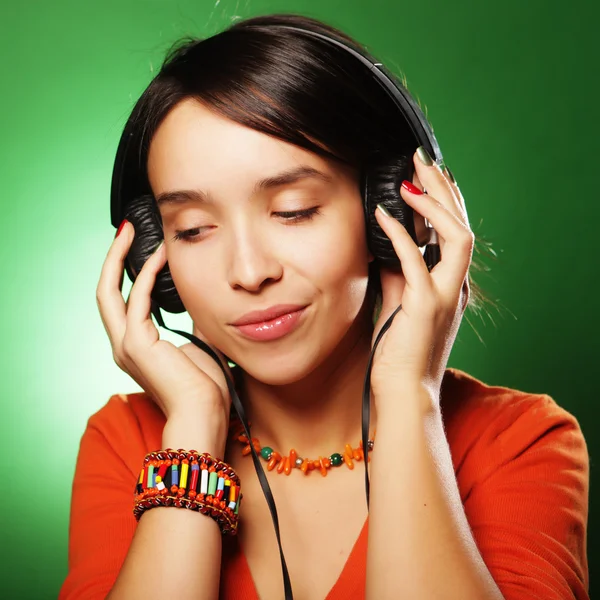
[{"x": 178, "y": 197}]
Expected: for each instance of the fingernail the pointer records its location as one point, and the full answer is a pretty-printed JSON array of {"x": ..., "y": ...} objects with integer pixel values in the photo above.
[
  {"x": 158, "y": 247},
  {"x": 424, "y": 156},
  {"x": 384, "y": 210},
  {"x": 407, "y": 185},
  {"x": 450, "y": 175},
  {"x": 120, "y": 227}
]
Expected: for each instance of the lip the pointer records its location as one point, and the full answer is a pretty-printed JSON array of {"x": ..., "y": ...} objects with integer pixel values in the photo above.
[
  {"x": 274, "y": 328},
  {"x": 261, "y": 316}
]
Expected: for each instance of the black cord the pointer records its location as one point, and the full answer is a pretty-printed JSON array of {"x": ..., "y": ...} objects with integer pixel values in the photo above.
[{"x": 366, "y": 401}]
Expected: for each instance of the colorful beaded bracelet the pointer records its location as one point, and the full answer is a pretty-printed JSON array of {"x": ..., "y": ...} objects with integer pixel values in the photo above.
[{"x": 203, "y": 483}]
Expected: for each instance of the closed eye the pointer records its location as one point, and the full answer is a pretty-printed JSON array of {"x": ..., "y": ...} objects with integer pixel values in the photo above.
[
  {"x": 294, "y": 216},
  {"x": 299, "y": 215}
]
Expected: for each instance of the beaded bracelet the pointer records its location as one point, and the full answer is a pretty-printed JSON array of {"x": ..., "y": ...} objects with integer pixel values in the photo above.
[{"x": 203, "y": 483}]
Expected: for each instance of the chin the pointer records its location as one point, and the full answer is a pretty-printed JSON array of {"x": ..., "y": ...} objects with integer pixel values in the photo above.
[{"x": 284, "y": 370}]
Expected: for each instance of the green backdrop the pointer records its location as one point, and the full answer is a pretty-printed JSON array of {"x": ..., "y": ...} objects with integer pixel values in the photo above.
[{"x": 511, "y": 91}]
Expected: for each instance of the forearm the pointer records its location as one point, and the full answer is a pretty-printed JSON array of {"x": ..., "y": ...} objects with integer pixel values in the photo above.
[
  {"x": 420, "y": 544},
  {"x": 175, "y": 552}
]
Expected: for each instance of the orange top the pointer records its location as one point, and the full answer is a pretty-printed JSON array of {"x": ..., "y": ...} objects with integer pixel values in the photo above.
[{"x": 520, "y": 460}]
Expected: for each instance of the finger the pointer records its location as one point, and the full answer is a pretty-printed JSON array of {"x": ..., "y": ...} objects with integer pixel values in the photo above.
[
  {"x": 447, "y": 174},
  {"x": 138, "y": 303},
  {"x": 421, "y": 226},
  {"x": 466, "y": 288},
  {"x": 203, "y": 361},
  {"x": 392, "y": 288},
  {"x": 435, "y": 182},
  {"x": 108, "y": 292},
  {"x": 413, "y": 266},
  {"x": 457, "y": 193},
  {"x": 456, "y": 243}
]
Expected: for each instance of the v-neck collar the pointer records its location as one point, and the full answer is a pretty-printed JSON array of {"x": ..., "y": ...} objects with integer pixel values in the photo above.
[{"x": 350, "y": 585}]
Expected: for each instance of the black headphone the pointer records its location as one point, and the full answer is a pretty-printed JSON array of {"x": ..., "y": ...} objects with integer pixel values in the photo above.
[{"x": 380, "y": 183}]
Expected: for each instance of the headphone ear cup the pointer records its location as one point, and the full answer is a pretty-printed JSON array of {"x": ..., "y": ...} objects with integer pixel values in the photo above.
[
  {"x": 144, "y": 216},
  {"x": 380, "y": 182}
]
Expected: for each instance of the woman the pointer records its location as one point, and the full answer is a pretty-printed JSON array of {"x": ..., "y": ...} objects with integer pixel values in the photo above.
[{"x": 256, "y": 139}]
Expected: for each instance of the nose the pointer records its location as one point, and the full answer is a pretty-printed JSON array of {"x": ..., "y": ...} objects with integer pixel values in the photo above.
[{"x": 253, "y": 261}]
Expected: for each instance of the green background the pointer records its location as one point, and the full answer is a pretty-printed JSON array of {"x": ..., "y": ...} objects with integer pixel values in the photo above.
[{"x": 511, "y": 89}]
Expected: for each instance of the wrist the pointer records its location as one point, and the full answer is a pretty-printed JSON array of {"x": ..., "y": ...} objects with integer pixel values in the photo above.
[
  {"x": 196, "y": 433},
  {"x": 405, "y": 396}
]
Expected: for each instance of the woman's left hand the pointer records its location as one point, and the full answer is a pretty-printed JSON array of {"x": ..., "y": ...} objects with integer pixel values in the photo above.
[{"x": 415, "y": 349}]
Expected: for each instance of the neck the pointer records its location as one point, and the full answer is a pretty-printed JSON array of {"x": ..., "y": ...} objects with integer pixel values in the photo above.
[{"x": 321, "y": 413}]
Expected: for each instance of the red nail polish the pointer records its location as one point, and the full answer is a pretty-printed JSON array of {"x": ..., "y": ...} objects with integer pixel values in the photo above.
[
  {"x": 407, "y": 185},
  {"x": 120, "y": 227}
]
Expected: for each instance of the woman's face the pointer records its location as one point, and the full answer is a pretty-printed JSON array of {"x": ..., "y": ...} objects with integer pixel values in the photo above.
[{"x": 242, "y": 256}]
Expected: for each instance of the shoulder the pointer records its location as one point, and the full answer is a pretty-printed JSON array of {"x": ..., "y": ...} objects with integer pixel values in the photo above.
[
  {"x": 101, "y": 525},
  {"x": 468, "y": 402},
  {"x": 134, "y": 411},
  {"x": 489, "y": 425},
  {"x": 129, "y": 425},
  {"x": 522, "y": 469}
]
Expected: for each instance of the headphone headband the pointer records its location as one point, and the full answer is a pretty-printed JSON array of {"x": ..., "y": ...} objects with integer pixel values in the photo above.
[{"x": 412, "y": 112}]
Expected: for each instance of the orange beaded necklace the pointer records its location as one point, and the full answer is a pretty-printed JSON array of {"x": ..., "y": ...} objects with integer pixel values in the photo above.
[{"x": 285, "y": 464}]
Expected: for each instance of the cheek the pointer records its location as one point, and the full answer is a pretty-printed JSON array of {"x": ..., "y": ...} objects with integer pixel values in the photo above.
[
  {"x": 339, "y": 261},
  {"x": 192, "y": 283}
]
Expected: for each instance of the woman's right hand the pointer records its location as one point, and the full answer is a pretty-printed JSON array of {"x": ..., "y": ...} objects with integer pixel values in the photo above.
[{"x": 185, "y": 382}]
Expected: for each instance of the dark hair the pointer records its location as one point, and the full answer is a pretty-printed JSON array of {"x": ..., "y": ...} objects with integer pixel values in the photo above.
[{"x": 286, "y": 84}]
